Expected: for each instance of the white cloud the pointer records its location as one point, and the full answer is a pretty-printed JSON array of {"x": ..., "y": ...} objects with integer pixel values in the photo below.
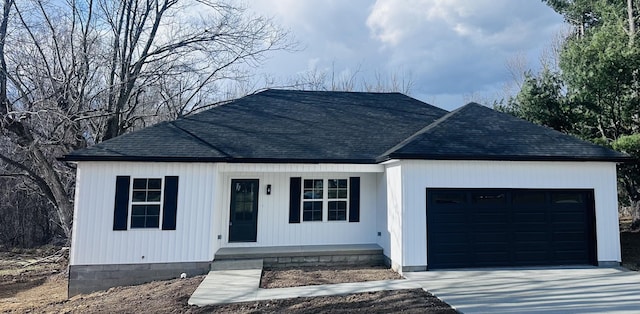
[{"x": 451, "y": 47}]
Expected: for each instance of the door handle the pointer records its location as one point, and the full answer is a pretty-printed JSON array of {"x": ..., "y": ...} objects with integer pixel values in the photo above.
[{"x": 230, "y": 223}]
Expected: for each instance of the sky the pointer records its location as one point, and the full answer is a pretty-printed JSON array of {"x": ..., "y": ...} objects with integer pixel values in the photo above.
[{"x": 453, "y": 51}]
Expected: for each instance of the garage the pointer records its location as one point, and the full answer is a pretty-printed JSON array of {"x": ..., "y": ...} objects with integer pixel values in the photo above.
[{"x": 510, "y": 227}]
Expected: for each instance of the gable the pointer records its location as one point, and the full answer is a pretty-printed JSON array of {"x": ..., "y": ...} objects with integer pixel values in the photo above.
[{"x": 475, "y": 132}]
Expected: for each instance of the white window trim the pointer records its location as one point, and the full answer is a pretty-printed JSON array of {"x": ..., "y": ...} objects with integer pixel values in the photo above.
[
  {"x": 325, "y": 199},
  {"x": 132, "y": 203}
]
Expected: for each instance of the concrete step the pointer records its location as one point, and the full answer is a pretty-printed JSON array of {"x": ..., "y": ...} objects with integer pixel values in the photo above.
[{"x": 240, "y": 264}]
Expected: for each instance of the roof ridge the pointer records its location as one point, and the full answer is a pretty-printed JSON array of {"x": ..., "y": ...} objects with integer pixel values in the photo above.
[
  {"x": 197, "y": 138},
  {"x": 431, "y": 126},
  {"x": 329, "y": 91}
]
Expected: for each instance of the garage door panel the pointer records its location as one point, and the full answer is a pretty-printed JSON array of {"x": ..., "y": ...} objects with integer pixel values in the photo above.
[
  {"x": 570, "y": 257},
  {"x": 501, "y": 249},
  {"x": 452, "y": 249},
  {"x": 491, "y": 218},
  {"x": 448, "y": 218},
  {"x": 532, "y": 246},
  {"x": 532, "y": 257},
  {"x": 529, "y": 227},
  {"x": 565, "y": 217},
  {"x": 538, "y": 216},
  {"x": 510, "y": 227},
  {"x": 524, "y": 237},
  {"x": 490, "y": 237},
  {"x": 578, "y": 236}
]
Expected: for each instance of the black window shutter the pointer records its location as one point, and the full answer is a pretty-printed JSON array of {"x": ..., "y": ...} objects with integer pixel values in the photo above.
[
  {"x": 170, "y": 203},
  {"x": 354, "y": 199},
  {"x": 121, "y": 207},
  {"x": 294, "y": 200}
]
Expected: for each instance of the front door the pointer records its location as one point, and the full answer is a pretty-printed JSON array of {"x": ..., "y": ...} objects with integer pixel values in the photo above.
[{"x": 243, "y": 217}]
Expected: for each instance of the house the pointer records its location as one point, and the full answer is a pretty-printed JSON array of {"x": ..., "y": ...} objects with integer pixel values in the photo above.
[{"x": 433, "y": 189}]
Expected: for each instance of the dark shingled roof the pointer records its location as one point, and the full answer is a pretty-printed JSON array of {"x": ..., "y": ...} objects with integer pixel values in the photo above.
[
  {"x": 480, "y": 133},
  {"x": 341, "y": 127}
]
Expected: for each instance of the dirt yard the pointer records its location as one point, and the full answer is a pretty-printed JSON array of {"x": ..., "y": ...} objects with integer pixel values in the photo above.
[
  {"x": 30, "y": 287},
  {"x": 308, "y": 276}
]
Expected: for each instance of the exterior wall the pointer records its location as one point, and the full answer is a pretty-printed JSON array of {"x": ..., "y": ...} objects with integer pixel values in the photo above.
[
  {"x": 94, "y": 241},
  {"x": 395, "y": 198},
  {"x": 274, "y": 228},
  {"x": 417, "y": 176},
  {"x": 203, "y": 211}
]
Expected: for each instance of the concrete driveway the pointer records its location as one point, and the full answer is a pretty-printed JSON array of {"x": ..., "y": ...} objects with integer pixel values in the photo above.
[{"x": 535, "y": 290}]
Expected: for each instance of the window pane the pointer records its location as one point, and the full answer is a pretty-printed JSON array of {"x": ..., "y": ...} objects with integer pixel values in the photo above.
[
  {"x": 155, "y": 184},
  {"x": 313, "y": 189},
  {"x": 337, "y": 210},
  {"x": 337, "y": 188},
  {"x": 137, "y": 221},
  {"x": 449, "y": 198},
  {"x": 488, "y": 198},
  {"x": 312, "y": 211},
  {"x": 153, "y": 196},
  {"x": 153, "y": 210},
  {"x": 139, "y": 196},
  {"x": 528, "y": 197},
  {"x": 152, "y": 222},
  {"x": 139, "y": 184},
  {"x": 566, "y": 197},
  {"x": 138, "y": 210}
]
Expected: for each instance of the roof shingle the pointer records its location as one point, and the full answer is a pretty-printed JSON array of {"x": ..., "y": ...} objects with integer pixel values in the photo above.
[
  {"x": 341, "y": 127},
  {"x": 477, "y": 132}
]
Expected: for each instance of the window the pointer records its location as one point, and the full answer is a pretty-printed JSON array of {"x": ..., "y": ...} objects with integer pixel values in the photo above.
[
  {"x": 312, "y": 200},
  {"x": 145, "y": 203},
  {"x": 528, "y": 197},
  {"x": 449, "y": 197},
  {"x": 567, "y": 198},
  {"x": 337, "y": 194},
  {"x": 140, "y": 205},
  {"x": 319, "y": 194},
  {"x": 492, "y": 198}
]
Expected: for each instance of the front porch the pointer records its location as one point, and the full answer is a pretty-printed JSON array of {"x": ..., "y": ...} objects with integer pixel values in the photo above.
[{"x": 306, "y": 255}]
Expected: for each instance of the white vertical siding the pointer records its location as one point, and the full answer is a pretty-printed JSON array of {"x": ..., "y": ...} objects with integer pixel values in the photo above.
[
  {"x": 203, "y": 211},
  {"x": 274, "y": 228},
  {"x": 417, "y": 176},
  {"x": 95, "y": 242},
  {"x": 381, "y": 214},
  {"x": 395, "y": 207}
]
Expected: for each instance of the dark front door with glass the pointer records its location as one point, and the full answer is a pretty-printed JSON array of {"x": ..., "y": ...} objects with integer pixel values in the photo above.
[{"x": 243, "y": 217}]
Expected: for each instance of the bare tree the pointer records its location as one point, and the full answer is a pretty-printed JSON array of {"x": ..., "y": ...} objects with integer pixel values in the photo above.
[
  {"x": 351, "y": 80},
  {"x": 78, "y": 72}
]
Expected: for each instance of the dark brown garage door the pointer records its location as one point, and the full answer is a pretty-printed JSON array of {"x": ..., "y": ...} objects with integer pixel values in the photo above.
[{"x": 509, "y": 227}]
